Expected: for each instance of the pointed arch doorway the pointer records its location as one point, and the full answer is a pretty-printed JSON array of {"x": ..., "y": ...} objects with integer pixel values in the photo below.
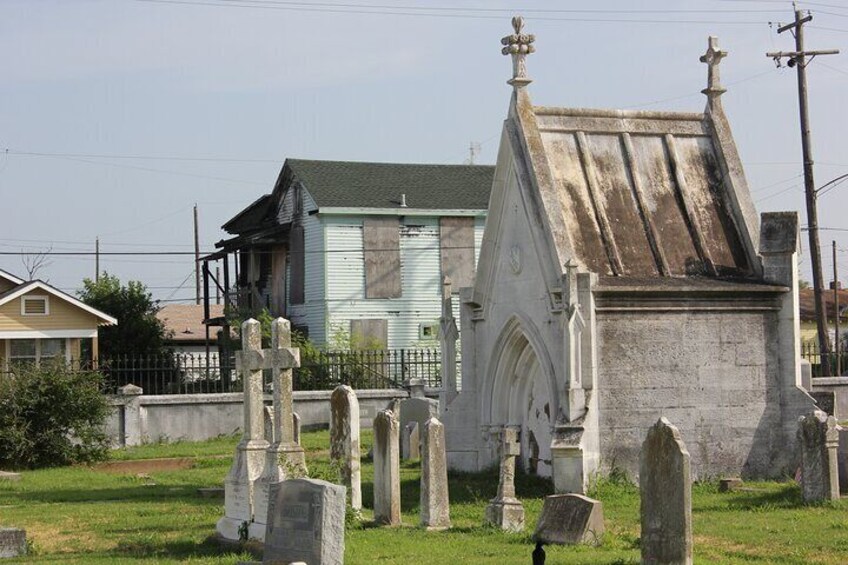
[{"x": 521, "y": 393}]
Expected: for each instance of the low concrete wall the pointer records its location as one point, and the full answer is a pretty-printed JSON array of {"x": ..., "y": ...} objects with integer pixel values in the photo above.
[
  {"x": 140, "y": 418},
  {"x": 839, "y": 387}
]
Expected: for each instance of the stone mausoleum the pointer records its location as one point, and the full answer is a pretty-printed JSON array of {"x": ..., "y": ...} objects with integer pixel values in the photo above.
[{"x": 624, "y": 275}]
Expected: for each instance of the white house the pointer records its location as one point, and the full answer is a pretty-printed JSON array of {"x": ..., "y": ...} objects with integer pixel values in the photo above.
[{"x": 358, "y": 251}]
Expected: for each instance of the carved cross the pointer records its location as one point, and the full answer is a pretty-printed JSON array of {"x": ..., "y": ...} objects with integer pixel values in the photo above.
[
  {"x": 713, "y": 58},
  {"x": 519, "y": 45},
  {"x": 509, "y": 450}
]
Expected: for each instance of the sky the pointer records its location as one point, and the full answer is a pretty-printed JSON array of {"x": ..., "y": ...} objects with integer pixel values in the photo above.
[{"x": 118, "y": 116}]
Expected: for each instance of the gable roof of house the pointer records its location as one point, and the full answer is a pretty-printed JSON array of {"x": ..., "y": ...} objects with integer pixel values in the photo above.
[
  {"x": 351, "y": 184},
  {"x": 28, "y": 286},
  {"x": 10, "y": 277}
]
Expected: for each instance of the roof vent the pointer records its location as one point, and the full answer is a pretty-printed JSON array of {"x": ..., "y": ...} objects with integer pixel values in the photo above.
[{"x": 403, "y": 201}]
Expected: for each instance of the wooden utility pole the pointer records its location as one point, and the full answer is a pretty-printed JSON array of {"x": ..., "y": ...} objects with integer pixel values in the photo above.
[
  {"x": 799, "y": 60},
  {"x": 97, "y": 259},
  {"x": 836, "y": 314},
  {"x": 196, "y": 258}
]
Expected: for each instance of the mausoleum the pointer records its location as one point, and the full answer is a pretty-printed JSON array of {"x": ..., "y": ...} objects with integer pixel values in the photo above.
[{"x": 624, "y": 275}]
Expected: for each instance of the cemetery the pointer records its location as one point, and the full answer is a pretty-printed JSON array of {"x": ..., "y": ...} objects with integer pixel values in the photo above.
[{"x": 631, "y": 392}]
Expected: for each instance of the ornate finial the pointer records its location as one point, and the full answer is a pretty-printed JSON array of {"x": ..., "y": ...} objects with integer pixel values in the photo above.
[
  {"x": 519, "y": 45},
  {"x": 712, "y": 58}
]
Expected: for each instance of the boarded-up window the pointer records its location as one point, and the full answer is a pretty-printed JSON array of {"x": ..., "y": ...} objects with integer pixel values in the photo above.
[
  {"x": 369, "y": 334},
  {"x": 278, "y": 281},
  {"x": 456, "y": 242},
  {"x": 381, "y": 241},
  {"x": 298, "y": 264}
]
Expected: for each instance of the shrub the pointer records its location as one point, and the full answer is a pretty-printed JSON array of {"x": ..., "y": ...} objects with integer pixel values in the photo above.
[{"x": 50, "y": 416}]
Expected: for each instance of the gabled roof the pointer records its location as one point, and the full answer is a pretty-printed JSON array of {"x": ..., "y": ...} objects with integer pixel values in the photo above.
[
  {"x": 348, "y": 184},
  {"x": 10, "y": 277},
  {"x": 26, "y": 287},
  {"x": 807, "y": 304}
]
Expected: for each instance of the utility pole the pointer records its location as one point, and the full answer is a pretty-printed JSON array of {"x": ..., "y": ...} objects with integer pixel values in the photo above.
[
  {"x": 97, "y": 259},
  {"x": 799, "y": 60},
  {"x": 217, "y": 284},
  {"x": 196, "y": 258},
  {"x": 836, "y": 314}
]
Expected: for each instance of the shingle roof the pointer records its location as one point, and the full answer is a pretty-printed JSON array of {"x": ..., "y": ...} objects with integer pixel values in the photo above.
[
  {"x": 250, "y": 217},
  {"x": 348, "y": 184},
  {"x": 186, "y": 321},
  {"x": 807, "y": 303}
]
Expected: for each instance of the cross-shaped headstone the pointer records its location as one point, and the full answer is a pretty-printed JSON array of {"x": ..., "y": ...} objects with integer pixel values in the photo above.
[
  {"x": 713, "y": 58},
  {"x": 519, "y": 45},
  {"x": 509, "y": 450}
]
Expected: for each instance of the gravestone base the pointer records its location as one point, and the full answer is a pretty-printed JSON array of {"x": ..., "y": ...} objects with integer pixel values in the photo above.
[
  {"x": 12, "y": 542},
  {"x": 506, "y": 514}
]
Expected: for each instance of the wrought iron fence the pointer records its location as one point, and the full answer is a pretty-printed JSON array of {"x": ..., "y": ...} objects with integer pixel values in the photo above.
[
  {"x": 838, "y": 362},
  {"x": 190, "y": 373}
]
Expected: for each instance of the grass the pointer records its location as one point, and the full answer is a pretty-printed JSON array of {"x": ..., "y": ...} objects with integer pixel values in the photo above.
[{"x": 82, "y": 515}]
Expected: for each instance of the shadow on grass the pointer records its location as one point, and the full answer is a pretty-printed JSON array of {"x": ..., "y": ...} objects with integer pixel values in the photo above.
[
  {"x": 181, "y": 549},
  {"x": 139, "y": 493},
  {"x": 787, "y": 497}
]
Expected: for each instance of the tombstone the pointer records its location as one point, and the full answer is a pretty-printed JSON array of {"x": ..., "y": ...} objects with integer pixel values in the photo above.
[
  {"x": 434, "y": 501},
  {"x": 296, "y": 427},
  {"x": 729, "y": 484},
  {"x": 12, "y": 542},
  {"x": 666, "y": 491},
  {"x": 284, "y": 458},
  {"x": 569, "y": 519},
  {"x": 818, "y": 438},
  {"x": 344, "y": 440},
  {"x": 410, "y": 442},
  {"x": 306, "y": 519},
  {"x": 269, "y": 425},
  {"x": 505, "y": 510},
  {"x": 249, "y": 460},
  {"x": 9, "y": 476},
  {"x": 386, "y": 469}
]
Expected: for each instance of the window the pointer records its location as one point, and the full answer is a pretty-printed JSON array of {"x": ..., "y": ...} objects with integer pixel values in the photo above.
[
  {"x": 35, "y": 306},
  {"x": 23, "y": 352},
  {"x": 428, "y": 330}
]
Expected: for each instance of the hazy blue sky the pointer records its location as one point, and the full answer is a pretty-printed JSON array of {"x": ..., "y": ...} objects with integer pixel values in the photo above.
[{"x": 265, "y": 80}]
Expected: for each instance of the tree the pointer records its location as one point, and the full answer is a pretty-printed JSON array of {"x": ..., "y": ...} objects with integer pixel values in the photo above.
[
  {"x": 139, "y": 331},
  {"x": 34, "y": 261}
]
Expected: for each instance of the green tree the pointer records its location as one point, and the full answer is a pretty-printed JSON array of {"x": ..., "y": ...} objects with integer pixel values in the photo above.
[{"x": 139, "y": 331}]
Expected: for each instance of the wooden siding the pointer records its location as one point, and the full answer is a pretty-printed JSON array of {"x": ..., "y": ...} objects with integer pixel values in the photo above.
[
  {"x": 298, "y": 265},
  {"x": 311, "y": 312},
  {"x": 63, "y": 316}
]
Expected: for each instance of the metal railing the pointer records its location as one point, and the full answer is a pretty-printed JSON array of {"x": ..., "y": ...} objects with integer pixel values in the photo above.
[{"x": 810, "y": 351}]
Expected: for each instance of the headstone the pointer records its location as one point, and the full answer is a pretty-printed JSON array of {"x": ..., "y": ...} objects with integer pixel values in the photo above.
[
  {"x": 416, "y": 388},
  {"x": 570, "y": 519},
  {"x": 729, "y": 484},
  {"x": 434, "y": 501},
  {"x": 284, "y": 458},
  {"x": 12, "y": 542},
  {"x": 666, "y": 491},
  {"x": 344, "y": 441},
  {"x": 9, "y": 476},
  {"x": 249, "y": 460},
  {"x": 410, "y": 442},
  {"x": 386, "y": 469},
  {"x": 211, "y": 492},
  {"x": 306, "y": 520},
  {"x": 818, "y": 438},
  {"x": 417, "y": 410},
  {"x": 505, "y": 510},
  {"x": 269, "y": 425}
]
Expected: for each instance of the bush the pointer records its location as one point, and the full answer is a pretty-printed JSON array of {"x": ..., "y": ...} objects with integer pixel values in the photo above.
[{"x": 50, "y": 416}]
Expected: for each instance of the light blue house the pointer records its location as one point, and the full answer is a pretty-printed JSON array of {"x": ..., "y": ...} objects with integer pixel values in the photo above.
[{"x": 356, "y": 252}]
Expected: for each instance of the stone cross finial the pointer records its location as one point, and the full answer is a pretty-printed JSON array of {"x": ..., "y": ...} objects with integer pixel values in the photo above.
[
  {"x": 712, "y": 58},
  {"x": 519, "y": 45}
]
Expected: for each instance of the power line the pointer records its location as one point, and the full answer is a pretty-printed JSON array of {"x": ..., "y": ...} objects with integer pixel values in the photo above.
[{"x": 141, "y": 157}]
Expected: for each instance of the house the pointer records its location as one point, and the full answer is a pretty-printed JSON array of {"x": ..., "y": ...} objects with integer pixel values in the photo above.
[
  {"x": 624, "y": 275},
  {"x": 354, "y": 253},
  {"x": 807, "y": 310},
  {"x": 184, "y": 328},
  {"x": 39, "y": 322}
]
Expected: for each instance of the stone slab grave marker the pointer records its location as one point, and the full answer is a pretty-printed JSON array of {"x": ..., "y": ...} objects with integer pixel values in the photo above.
[
  {"x": 570, "y": 519},
  {"x": 410, "y": 442},
  {"x": 505, "y": 510},
  {"x": 12, "y": 542},
  {"x": 306, "y": 520},
  {"x": 251, "y": 453},
  {"x": 284, "y": 458},
  {"x": 345, "y": 442},
  {"x": 818, "y": 438},
  {"x": 386, "y": 469},
  {"x": 666, "y": 492},
  {"x": 9, "y": 476},
  {"x": 434, "y": 500}
]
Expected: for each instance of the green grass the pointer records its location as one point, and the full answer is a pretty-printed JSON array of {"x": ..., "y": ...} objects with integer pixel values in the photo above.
[{"x": 82, "y": 515}]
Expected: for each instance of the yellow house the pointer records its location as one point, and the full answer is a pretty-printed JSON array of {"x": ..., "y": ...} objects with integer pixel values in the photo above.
[{"x": 39, "y": 322}]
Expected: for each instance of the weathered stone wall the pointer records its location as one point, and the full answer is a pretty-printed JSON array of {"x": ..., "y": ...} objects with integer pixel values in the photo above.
[{"x": 715, "y": 374}]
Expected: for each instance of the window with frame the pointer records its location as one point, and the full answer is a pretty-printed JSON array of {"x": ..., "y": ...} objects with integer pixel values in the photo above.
[{"x": 31, "y": 352}]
